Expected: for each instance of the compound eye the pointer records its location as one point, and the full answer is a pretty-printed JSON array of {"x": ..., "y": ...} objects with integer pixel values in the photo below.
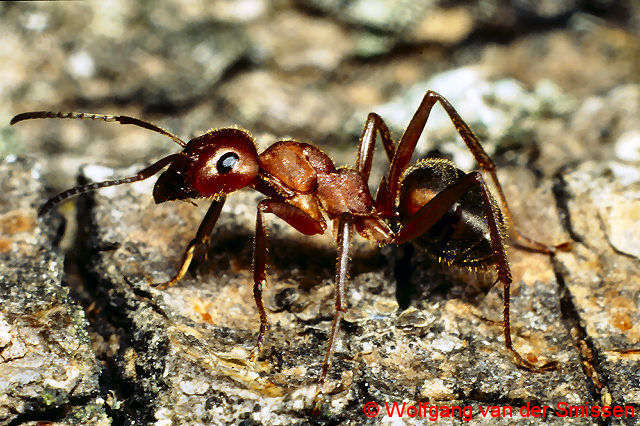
[{"x": 227, "y": 162}]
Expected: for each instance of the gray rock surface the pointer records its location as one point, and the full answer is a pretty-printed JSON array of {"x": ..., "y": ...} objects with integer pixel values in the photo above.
[
  {"x": 48, "y": 370},
  {"x": 602, "y": 272}
]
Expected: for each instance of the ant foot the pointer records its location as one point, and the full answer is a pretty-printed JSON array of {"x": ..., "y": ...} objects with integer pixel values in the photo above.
[
  {"x": 152, "y": 283},
  {"x": 528, "y": 244},
  {"x": 566, "y": 246},
  {"x": 259, "y": 343},
  {"x": 165, "y": 284},
  {"x": 255, "y": 352},
  {"x": 318, "y": 400},
  {"x": 549, "y": 366},
  {"x": 161, "y": 285}
]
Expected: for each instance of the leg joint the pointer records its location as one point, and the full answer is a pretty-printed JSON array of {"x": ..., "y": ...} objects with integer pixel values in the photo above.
[
  {"x": 476, "y": 176},
  {"x": 373, "y": 116},
  {"x": 432, "y": 94}
]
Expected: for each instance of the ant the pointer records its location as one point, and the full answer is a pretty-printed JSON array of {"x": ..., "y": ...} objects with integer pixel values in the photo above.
[{"x": 449, "y": 212}]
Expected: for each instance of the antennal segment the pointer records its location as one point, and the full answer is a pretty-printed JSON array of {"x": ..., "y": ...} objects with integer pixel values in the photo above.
[
  {"x": 80, "y": 189},
  {"x": 122, "y": 119}
]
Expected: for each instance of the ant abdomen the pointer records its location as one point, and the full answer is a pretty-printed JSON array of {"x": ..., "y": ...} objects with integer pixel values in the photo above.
[{"x": 461, "y": 237}]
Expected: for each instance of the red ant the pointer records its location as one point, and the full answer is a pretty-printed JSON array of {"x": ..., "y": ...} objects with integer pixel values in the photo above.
[{"x": 450, "y": 213}]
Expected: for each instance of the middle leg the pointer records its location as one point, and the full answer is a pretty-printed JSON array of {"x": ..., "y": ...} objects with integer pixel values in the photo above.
[
  {"x": 374, "y": 125},
  {"x": 343, "y": 243}
]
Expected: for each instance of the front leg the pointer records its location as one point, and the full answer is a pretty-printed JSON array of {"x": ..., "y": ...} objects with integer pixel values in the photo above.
[
  {"x": 295, "y": 217},
  {"x": 202, "y": 237}
]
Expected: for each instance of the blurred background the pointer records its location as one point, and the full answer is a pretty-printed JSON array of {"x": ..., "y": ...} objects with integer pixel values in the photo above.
[{"x": 544, "y": 83}]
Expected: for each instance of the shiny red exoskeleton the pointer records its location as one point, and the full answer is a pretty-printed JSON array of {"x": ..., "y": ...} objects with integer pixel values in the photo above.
[{"x": 447, "y": 211}]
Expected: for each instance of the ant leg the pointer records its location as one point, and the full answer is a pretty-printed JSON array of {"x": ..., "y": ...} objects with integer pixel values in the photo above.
[
  {"x": 431, "y": 212},
  {"x": 368, "y": 142},
  {"x": 365, "y": 152},
  {"x": 294, "y": 217},
  {"x": 203, "y": 235},
  {"x": 343, "y": 243},
  {"x": 259, "y": 277},
  {"x": 407, "y": 146}
]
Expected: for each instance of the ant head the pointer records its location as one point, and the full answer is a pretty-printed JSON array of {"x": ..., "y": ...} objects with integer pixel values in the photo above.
[{"x": 214, "y": 164}]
